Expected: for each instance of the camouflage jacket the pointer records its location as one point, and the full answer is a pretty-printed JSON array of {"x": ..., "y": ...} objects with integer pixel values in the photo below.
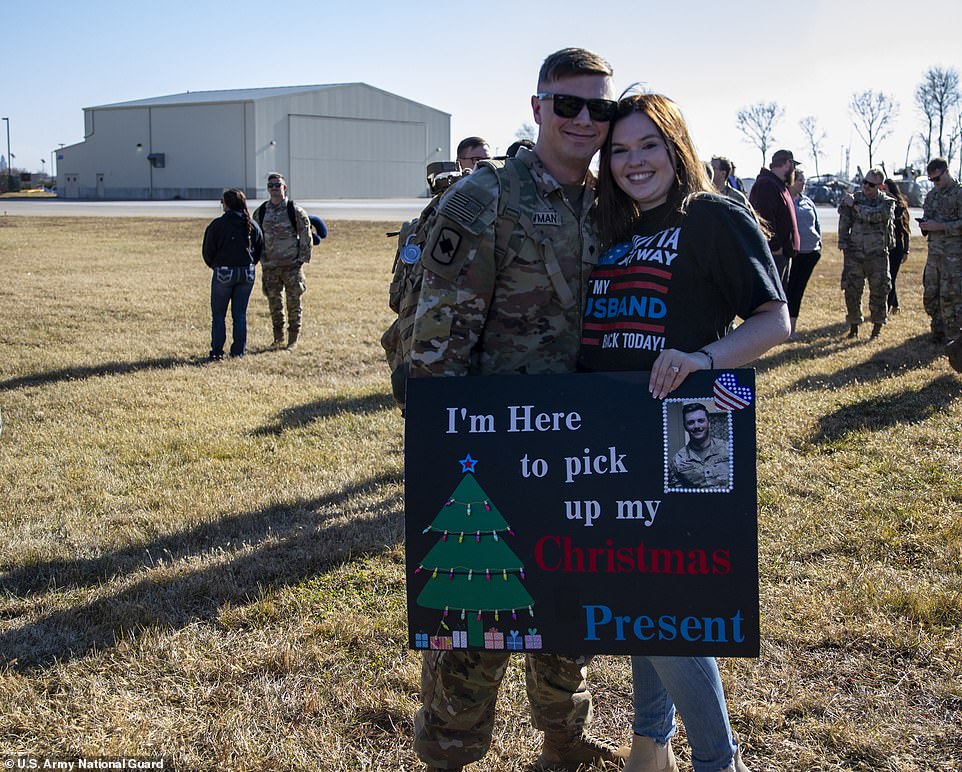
[
  {"x": 945, "y": 206},
  {"x": 283, "y": 248},
  {"x": 867, "y": 226},
  {"x": 486, "y": 309}
]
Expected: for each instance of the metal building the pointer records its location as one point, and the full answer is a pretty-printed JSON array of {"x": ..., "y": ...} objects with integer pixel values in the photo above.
[{"x": 347, "y": 140}]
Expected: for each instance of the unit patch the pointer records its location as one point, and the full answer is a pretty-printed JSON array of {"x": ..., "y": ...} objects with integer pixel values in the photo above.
[
  {"x": 446, "y": 246},
  {"x": 545, "y": 218}
]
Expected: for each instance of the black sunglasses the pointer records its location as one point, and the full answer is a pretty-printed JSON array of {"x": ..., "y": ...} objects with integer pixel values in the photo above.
[
  {"x": 567, "y": 106},
  {"x": 937, "y": 177},
  {"x": 871, "y": 184},
  {"x": 274, "y": 184}
]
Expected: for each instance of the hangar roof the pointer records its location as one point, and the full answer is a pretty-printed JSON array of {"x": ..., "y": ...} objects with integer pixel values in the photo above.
[{"x": 227, "y": 95}]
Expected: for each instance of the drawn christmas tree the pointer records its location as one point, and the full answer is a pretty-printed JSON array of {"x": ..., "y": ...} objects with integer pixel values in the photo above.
[{"x": 473, "y": 570}]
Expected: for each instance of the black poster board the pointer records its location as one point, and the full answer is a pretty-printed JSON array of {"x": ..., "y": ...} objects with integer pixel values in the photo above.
[{"x": 550, "y": 513}]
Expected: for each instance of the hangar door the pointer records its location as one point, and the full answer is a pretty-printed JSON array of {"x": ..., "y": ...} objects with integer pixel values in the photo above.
[{"x": 356, "y": 158}]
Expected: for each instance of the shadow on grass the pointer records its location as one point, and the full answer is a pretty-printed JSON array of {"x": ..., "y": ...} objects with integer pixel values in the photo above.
[
  {"x": 303, "y": 415},
  {"x": 890, "y": 410},
  {"x": 97, "y": 371},
  {"x": 273, "y": 547},
  {"x": 916, "y": 352}
]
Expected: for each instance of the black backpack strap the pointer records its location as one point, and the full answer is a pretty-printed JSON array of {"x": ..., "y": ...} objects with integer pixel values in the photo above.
[
  {"x": 291, "y": 215},
  {"x": 259, "y": 214}
]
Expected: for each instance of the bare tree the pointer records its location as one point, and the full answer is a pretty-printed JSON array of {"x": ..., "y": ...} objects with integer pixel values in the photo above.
[
  {"x": 815, "y": 136},
  {"x": 937, "y": 98},
  {"x": 526, "y": 131},
  {"x": 873, "y": 113},
  {"x": 757, "y": 122}
]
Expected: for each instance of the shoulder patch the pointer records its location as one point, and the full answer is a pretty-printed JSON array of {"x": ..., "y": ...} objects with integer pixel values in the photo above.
[
  {"x": 469, "y": 205},
  {"x": 446, "y": 246}
]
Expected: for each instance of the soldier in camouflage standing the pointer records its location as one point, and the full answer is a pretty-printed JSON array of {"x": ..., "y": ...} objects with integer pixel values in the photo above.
[
  {"x": 287, "y": 246},
  {"x": 942, "y": 279},
  {"x": 865, "y": 235},
  {"x": 505, "y": 263}
]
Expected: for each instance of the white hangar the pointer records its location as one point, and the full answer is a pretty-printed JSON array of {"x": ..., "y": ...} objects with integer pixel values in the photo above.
[{"x": 346, "y": 140}]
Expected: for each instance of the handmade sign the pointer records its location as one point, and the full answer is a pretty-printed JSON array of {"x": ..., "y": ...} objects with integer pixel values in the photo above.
[{"x": 575, "y": 514}]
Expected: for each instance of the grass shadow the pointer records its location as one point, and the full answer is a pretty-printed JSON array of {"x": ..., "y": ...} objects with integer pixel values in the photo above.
[
  {"x": 97, "y": 371},
  {"x": 889, "y": 410},
  {"x": 275, "y": 546},
  {"x": 299, "y": 416}
]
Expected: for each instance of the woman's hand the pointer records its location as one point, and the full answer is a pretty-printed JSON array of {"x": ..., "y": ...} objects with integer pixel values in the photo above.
[{"x": 670, "y": 370}]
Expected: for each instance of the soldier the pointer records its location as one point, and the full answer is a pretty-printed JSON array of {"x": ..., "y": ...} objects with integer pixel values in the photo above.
[
  {"x": 865, "y": 235},
  {"x": 287, "y": 246},
  {"x": 470, "y": 151},
  {"x": 703, "y": 461},
  {"x": 502, "y": 294},
  {"x": 942, "y": 278}
]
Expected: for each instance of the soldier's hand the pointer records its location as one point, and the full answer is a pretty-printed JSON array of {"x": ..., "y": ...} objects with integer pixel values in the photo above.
[{"x": 847, "y": 200}]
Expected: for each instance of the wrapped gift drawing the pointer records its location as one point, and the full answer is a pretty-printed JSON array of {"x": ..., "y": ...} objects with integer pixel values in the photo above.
[
  {"x": 514, "y": 641},
  {"x": 493, "y": 639},
  {"x": 441, "y": 642},
  {"x": 420, "y": 640},
  {"x": 460, "y": 639},
  {"x": 532, "y": 640}
]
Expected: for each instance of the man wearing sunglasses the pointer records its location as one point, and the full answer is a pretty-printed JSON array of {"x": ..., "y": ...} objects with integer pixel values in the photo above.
[
  {"x": 505, "y": 262},
  {"x": 470, "y": 151},
  {"x": 942, "y": 279},
  {"x": 287, "y": 246},
  {"x": 865, "y": 234}
]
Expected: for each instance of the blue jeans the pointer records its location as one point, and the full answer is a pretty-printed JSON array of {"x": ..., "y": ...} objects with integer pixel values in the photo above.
[
  {"x": 230, "y": 286},
  {"x": 693, "y": 684}
]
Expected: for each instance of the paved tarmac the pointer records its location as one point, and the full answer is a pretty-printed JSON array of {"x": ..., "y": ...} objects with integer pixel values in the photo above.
[{"x": 370, "y": 210}]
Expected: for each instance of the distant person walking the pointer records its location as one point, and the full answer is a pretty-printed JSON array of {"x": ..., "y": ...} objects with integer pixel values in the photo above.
[
  {"x": 899, "y": 253},
  {"x": 942, "y": 280},
  {"x": 287, "y": 247},
  {"x": 771, "y": 199},
  {"x": 809, "y": 246},
  {"x": 865, "y": 236},
  {"x": 232, "y": 247}
]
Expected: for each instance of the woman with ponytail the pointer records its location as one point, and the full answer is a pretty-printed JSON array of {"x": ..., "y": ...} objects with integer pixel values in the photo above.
[{"x": 232, "y": 246}]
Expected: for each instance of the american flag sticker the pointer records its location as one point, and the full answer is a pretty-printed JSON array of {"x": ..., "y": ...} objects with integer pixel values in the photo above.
[{"x": 729, "y": 395}]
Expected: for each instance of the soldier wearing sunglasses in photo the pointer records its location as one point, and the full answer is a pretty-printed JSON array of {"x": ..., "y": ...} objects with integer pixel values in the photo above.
[
  {"x": 866, "y": 233},
  {"x": 505, "y": 265},
  {"x": 942, "y": 279}
]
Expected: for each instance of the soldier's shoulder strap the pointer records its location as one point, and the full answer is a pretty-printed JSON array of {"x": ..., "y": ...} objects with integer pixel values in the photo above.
[{"x": 259, "y": 214}]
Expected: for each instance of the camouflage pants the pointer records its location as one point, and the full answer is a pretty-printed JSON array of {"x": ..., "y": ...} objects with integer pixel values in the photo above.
[
  {"x": 942, "y": 292},
  {"x": 459, "y": 690},
  {"x": 857, "y": 266},
  {"x": 278, "y": 282}
]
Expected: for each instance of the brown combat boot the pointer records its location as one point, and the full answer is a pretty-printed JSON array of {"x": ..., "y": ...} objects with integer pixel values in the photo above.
[
  {"x": 876, "y": 329},
  {"x": 292, "y": 334},
  {"x": 564, "y": 750},
  {"x": 649, "y": 756},
  {"x": 954, "y": 350},
  {"x": 852, "y": 331},
  {"x": 278, "y": 338}
]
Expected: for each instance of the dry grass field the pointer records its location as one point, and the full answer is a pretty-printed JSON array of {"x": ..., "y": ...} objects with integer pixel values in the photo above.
[{"x": 204, "y": 562}]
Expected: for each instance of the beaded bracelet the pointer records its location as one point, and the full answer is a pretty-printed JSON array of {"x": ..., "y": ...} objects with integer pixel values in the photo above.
[{"x": 711, "y": 359}]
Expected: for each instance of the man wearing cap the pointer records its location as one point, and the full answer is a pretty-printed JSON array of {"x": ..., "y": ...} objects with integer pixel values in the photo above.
[
  {"x": 865, "y": 235},
  {"x": 772, "y": 200},
  {"x": 287, "y": 246}
]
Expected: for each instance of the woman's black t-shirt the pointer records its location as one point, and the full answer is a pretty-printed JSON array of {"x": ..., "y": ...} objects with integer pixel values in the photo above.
[{"x": 676, "y": 287}]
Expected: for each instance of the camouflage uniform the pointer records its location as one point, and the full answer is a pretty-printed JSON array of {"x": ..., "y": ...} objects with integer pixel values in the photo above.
[
  {"x": 865, "y": 237},
  {"x": 942, "y": 277},
  {"x": 486, "y": 309},
  {"x": 282, "y": 273},
  {"x": 708, "y": 468}
]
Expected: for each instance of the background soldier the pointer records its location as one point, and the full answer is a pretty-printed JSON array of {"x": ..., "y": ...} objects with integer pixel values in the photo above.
[
  {"x": 942, "y": 279},
  {"x": 865, "y": 235},
  {"x": 287, "y": 246},
  {"x": 470, "y": 151},
  {"x": 505, "y": 264}
]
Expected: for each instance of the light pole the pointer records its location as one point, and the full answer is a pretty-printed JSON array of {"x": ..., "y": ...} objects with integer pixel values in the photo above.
[
  {"x": 9, "y": 160},
  {"x": 43, "y": 168}
]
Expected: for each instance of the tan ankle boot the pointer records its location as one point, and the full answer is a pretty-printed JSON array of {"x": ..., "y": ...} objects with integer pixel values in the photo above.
[
  {"x": 562, "y": 750},
  {"x": 649, "y": 756}
]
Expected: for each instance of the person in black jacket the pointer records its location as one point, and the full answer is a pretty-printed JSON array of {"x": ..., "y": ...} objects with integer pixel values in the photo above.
[{"x": 233, "y": 244}]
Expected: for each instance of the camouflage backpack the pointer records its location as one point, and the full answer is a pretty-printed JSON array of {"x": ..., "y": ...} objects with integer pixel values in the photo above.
[{"x": 405, "y": 289}]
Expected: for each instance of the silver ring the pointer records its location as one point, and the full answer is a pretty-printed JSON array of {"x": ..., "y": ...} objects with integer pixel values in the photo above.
[{"x": 675, "y": 369}]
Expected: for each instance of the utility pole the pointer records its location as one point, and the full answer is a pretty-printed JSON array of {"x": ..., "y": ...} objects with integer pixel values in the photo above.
[{"x": 9, "y": 160}]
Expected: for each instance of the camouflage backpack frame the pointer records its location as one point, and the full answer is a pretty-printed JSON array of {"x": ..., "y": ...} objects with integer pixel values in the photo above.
[{"x": 512, "y": 229}]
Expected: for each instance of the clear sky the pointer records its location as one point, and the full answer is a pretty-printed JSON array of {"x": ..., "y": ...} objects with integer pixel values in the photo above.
[{"x": 481, "y": 65}]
